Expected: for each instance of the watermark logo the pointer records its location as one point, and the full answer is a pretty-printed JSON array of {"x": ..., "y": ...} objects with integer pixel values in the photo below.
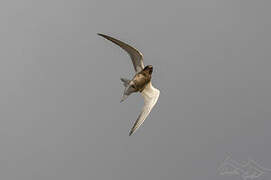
[{"x": 247, "y": 171}]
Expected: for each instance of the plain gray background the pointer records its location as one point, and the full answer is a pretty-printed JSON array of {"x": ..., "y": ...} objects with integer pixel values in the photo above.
[{"x": 60, "y": 90}]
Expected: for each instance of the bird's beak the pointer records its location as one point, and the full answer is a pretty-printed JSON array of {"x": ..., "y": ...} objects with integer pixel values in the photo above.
[{"x": 150, "y": 69}]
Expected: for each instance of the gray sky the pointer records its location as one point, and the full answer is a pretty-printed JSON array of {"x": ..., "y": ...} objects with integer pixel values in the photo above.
[{"x": 60, "y": 90}]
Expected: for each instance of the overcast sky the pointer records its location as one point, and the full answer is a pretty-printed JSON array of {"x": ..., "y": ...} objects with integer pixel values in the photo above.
[{"x": 60, "y": 111}]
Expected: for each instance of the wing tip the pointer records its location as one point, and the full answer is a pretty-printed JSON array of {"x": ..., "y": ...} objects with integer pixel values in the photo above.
[
  {"x": 131, "y": 132},
  {"x": 100, "y": 34}
]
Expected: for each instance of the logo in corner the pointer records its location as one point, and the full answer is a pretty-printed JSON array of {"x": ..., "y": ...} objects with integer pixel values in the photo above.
[{"x": 247, "y": 171}]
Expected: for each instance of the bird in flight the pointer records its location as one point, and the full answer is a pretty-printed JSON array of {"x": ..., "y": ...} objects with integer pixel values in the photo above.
[{"x": 141, "y": 82}]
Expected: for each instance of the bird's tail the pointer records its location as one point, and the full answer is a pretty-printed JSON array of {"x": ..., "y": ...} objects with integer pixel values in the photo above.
[
  {"x": 125, "y": 81},
  {"x": 128, "y": 88},
  {"x": 125, "y": 84}
]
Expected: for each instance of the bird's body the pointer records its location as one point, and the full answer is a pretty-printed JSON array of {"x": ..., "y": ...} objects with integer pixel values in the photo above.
[
  {"x": 141, "y": 82},
  {"x": 141, "y": 79}
]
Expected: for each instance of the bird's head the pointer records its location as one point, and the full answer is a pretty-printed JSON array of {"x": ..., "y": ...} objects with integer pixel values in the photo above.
[{"x": 149, "y": 69}]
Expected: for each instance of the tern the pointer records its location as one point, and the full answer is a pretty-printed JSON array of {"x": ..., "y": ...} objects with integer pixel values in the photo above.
[{"x": 141, "y": 82}]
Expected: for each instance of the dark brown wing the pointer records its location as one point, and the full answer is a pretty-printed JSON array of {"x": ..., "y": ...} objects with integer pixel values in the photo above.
[{"x": 136, "y": 56}]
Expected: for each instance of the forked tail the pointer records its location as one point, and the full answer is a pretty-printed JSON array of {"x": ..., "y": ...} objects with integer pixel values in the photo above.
[
  {"x": 125, "y": 82},
  {"x": 128, "y": 88}
]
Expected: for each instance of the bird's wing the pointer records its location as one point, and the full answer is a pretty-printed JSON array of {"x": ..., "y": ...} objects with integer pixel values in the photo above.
[
  {"x": 150, "y": 95},
  {"x": 136, "y": 56}
]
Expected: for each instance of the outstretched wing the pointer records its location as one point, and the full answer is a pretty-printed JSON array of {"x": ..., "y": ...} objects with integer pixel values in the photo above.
[
  {"x": 136, "y": 56},
  {"x": 150, "y": 95}
]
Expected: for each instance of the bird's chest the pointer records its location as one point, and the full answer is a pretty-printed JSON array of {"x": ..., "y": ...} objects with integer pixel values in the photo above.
[{"x": 140, "y": 81}]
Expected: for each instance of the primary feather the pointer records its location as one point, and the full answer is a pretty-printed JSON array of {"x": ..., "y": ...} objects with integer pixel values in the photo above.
[{"x": 136, "y": 56}]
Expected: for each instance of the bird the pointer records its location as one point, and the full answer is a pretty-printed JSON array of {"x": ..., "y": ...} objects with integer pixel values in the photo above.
[{"x": 141, "y": 82}]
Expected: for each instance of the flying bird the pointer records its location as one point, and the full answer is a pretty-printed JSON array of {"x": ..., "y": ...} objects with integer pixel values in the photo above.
[{"x": 141, "y": 82}]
